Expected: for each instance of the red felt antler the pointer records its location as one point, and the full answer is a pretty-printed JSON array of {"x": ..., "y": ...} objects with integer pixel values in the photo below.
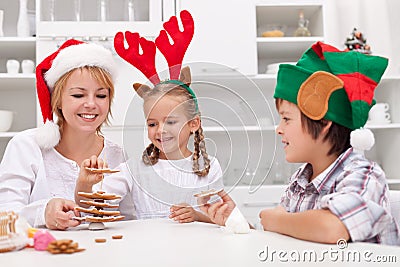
[
  {"x": 175, "y": 52},
  {"x": 145, "y": 62}
]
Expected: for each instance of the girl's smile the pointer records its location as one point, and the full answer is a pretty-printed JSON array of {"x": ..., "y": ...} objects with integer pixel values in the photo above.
[{"x": 168, "y": 127}]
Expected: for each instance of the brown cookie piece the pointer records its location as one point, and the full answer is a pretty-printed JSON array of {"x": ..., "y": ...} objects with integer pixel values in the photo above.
[
  {"x": 99, "y": 204},
  {"x": 100, "y": 240},
  {"x": 105, "y": 170},
  {"x": 103, "y": 219},
  {"x": 99, "y": 195},
  {"x": 99, "y": 212},
  {"x": 117, "y": 236},
  {"x": 208, "y": 193},
  {"x": 63, "y": 246}
]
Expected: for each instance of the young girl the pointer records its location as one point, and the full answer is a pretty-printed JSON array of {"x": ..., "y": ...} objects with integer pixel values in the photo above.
[
  {"x": 163, "y": 183},
  {"x": 39, "y": 168}
]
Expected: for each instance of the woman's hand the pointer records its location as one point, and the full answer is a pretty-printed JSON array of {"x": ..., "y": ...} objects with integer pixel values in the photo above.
[
  {"x": 88, "y": 178},
  {"x": 59, "y": 213}
]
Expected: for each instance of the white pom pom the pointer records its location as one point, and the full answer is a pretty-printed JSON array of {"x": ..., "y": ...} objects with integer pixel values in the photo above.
[
  {"x": 361, "y": 140},
  {"x": 48, "y": 135}
]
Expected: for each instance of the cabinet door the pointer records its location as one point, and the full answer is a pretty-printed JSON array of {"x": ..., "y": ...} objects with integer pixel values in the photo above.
[{"x": 225, "y": 33}]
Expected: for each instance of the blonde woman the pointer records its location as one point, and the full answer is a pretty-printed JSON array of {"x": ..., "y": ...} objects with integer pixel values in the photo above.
[{"x": 40, "y": 166}]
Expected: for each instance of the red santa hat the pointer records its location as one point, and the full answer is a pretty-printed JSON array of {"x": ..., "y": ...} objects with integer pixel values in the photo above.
[{"x": 71, "y": 55}]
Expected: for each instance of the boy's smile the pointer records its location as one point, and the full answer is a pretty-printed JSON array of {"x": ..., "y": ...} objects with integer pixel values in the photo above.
[{"x": 297, "y": 143}]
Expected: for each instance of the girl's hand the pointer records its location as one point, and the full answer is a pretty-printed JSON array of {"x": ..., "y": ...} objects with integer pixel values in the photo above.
[{"x": 183, "y": 213}]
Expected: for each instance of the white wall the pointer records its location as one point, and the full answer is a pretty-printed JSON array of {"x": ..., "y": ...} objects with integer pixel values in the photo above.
[{"x": 376, "y": 19}]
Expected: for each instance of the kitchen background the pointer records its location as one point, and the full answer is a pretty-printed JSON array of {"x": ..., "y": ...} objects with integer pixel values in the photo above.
[{"x": 233, "y": 67}]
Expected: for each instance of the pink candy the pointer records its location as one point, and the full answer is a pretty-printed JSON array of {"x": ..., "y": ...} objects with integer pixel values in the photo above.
[{"x": 41, "y": 239}]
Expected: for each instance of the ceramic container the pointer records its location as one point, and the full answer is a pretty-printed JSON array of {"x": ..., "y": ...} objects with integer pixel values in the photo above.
[{"x": 6, "y": 118}]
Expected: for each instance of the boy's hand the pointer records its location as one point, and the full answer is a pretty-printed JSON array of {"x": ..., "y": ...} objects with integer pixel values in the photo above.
[
  {"x": 268, "y": 217},
  {"x": 183, "y": 213},
  {"x": 218, "y": 212},
  {"x": 59, "y": 213}
]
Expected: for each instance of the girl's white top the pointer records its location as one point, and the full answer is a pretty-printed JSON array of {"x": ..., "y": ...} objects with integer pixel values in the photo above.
[
  {"x": 155, "y": 188},
  {"x": 30, "y": 176}
]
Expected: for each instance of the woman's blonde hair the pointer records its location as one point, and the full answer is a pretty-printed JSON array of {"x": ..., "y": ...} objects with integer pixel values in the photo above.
[
  {"x": 101, "y": 76},
  {"x": 151, "y": 154}
]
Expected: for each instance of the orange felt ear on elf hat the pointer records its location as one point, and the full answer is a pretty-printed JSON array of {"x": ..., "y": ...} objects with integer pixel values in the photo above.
[{"x": 314, "y": 94}]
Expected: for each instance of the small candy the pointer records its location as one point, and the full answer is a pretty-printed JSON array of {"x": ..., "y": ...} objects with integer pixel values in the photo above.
[{"x": 42, "y": 239}]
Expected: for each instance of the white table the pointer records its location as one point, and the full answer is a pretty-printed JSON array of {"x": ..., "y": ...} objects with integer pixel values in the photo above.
[{"x": 163, "y": 242}]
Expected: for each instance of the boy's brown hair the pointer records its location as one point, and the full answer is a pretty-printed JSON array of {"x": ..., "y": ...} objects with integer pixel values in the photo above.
[{"x": 338, "y": 136}]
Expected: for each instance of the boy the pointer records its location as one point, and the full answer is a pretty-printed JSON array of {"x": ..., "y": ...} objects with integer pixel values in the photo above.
[{"x": 323, "y": 102}]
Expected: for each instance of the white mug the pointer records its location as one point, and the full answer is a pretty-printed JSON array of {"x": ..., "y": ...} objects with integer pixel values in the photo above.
[
  {"x": 379, "y": 113},
  {"x": 28, "y": 66},
  {"x": 12, "y": 66}
]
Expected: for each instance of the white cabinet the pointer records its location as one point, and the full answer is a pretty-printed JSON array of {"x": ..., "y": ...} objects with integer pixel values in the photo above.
[
  {"x": 224, "y": 34},
  {"x": 387, "y": 141},
  {"x": 17, "y": 91},
  {"x": 282, "y": 17}
]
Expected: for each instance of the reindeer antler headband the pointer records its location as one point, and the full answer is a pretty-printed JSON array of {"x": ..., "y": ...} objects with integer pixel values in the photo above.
[{"x": 173, "y": 53}]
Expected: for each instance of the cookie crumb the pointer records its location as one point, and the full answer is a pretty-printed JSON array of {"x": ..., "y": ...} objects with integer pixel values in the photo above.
[
  {"x": 117, "y": 236},
  {"x": 100, "y": 240}
]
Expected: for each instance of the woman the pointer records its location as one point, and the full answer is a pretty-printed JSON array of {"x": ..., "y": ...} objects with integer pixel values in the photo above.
[{"x": 40, "y": 166}]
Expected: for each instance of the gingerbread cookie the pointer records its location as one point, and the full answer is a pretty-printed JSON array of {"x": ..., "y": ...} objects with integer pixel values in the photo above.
[
  {"x": 63, "y": 246},
  {"x": 106, "y": 170},
  {"x": 99, "y": 204},
  {"x": 99, "y": 195},
  {"x": 103, "y": 219},
  {"x": 99, "y": 212},
  {"x": 208, "y": 193}
]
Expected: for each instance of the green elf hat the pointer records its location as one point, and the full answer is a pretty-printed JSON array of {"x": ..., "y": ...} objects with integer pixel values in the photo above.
[{"x": 334, "y": 85}]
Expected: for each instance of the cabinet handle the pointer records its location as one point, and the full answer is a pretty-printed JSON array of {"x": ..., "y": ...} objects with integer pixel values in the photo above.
[{"x": 260, "y": 204}]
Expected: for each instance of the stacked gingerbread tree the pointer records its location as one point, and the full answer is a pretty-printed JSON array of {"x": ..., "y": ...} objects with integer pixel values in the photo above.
[{"x": 99, "y": 211}]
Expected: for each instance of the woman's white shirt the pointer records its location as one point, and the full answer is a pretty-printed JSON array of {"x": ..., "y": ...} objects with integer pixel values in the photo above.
[{"x": 30, "y": 176}]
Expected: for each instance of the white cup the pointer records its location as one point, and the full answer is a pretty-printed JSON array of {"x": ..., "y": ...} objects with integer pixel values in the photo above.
[
  {"x": 6, "y": 118},
  {"x": 12, "y": 66},
  {"x": 28, "y": 66},
  {"x": 379, "y": 113}
]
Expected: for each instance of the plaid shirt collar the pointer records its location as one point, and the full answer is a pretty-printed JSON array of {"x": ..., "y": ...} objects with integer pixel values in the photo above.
[{"x": 323, "y": 182}]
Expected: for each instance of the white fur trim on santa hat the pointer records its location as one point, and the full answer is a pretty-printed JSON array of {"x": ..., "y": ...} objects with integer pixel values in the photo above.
[
  {"x": 48, "y": 135},
  {"x": 80, "y": 55},
  {"x": 361, "y": 140}
]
